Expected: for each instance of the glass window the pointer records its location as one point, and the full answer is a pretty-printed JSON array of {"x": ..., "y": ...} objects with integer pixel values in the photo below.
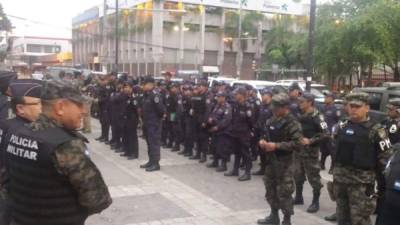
[
  {"x": 375, "y": 100},
  {"x": 34, "y": 48}
]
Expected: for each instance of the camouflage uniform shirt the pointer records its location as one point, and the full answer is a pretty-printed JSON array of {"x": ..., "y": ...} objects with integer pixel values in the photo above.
[{"x": 71, "y": 160}]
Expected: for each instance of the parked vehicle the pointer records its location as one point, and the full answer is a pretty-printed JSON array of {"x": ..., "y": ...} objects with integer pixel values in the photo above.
[
  {"x": 213, "y": 80},
  {"x": 379, "y": 98}
]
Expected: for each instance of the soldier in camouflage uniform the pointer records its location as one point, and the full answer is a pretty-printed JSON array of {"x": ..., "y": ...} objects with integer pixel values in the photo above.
[
  {"x": 363, "y": 149},
  {"x": 51, "y": 158},
  {"x": 281, "y": 138},
  {"x": 315, "y": 131}
]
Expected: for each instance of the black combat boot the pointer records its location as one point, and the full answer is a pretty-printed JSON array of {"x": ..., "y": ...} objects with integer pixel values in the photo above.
[
  {"x": 153, "y": 167},
  {"x": 144, "y": 166},
  {"x": 314, "y": 207},
  {"x": 233, "y": 172},
  {"x": 331, "y": 218},
  {"x": 203, "y": 158},
  {"x": 272, "y": 219},
  {"x": 286, "y": 220},
  {"x": 298, "y": 199},
  {"x": 259, "y": 172},
  {"x": 245, "y": 177},
  {"x": 222, "y": 166},
  {"x": 194, "y": 157},
  {"x": 213, "y": 164},
  {"x": 176, "y": 148}
]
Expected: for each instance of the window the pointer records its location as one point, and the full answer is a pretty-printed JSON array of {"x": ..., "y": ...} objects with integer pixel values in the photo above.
[
  {"x": 375, "y": 100},
  {"x": 34, "y": 48}
]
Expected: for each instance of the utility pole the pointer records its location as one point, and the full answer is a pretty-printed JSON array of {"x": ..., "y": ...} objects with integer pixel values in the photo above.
[
  {"x": 311, "y": 43},
  {"x": 240, "y": 53},
  {"x": 116, "y": 35}
]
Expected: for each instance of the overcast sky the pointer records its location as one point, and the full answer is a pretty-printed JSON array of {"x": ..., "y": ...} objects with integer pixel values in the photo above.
[{"x": 57, "y": 14}]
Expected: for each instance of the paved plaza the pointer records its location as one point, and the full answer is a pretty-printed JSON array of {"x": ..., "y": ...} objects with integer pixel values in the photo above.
[{"x": 184, "y": 192}]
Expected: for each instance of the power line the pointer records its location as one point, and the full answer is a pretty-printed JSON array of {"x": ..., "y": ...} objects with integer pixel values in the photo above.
[{"x": 96, "y": 35}]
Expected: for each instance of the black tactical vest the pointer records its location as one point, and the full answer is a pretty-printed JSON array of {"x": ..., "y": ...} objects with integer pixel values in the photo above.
[
  {"x": 38, "y": 193},
  {"x": 309, "y": 126},
  {"x": 392, "y": 195},
  {"x": 276, "y": 133},
  {"x": 354, "y": 147}
]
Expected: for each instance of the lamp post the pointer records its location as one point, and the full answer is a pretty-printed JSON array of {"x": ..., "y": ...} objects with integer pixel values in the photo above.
[
  {"x": 116, "y": 35},
  {"x": 311, "y": 43}
]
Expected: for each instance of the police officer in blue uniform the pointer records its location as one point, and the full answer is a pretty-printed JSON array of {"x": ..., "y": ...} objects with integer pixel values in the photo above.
[
  {"x": 332, "y": 115},
  {"x": 105, "y": 89},
  {"x": 265, "y": 112},
  {"x": 220, "y": 125},
  {"x": 130, "y": 114},
  {"x": 242, "y": 125},
  {"x": 294, "y": 94},
  {"x": 26, "y": 105},
  {"x": 153, "y": 114},
  {"x": 389, "y": 212},
  {"x": 392, "y": 122},
  {"x": 200, "y": 110},
  {"x": 5, "y": 78},
  {"x": 188, "y": 121}
]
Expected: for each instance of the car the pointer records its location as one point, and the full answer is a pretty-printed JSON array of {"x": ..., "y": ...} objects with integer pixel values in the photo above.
[
  {"x": 256, "y": 84},
  {"x": 213, "y": 80},
  {"x": 379, "y": 98}
]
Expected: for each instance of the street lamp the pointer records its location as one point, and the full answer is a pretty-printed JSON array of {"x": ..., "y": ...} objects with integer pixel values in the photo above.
[{"x": 311, "y": 42}]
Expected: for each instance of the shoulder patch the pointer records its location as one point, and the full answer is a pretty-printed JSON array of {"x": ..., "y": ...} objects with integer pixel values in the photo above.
[
  {"x": 156, "y": 99},
  {"x": 248, "y": 113},
  {"x": 382, "y": 133}
]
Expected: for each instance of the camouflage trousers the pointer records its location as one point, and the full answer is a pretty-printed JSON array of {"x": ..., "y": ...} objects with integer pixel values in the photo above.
[
  {"x": 308, "y": 166},
  {"x": 279, "y": 185},
  {"x": 354, "y": 204},
  {"x": 87, "y": 127}
]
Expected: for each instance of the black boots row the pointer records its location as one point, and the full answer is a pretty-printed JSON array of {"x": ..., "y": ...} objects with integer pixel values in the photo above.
[
  {"x": 117, "y": 148},
  {"x": 273, "y": 219},
  {"x": 299, "y": 200},
  {"x": 151, "y": 166}
]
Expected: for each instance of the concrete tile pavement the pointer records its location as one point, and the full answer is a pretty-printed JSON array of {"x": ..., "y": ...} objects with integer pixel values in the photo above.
[{"x": 170, "y": 197}]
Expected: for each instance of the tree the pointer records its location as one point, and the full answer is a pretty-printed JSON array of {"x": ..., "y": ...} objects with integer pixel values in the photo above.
[
  {"x": 285, "y": 47},
  {"x": 5, "y": 23}
]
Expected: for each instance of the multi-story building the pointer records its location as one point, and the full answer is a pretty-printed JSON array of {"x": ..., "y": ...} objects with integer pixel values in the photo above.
[
  {"x": 29, "y": 50},
  {"x": 172, "y": 35}
]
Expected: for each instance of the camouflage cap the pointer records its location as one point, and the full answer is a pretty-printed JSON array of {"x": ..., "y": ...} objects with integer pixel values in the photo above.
[
  {"x": 280, "y": 99},
  {"x": 57, "y": 89},
  {"x": 358, "y": 98}
]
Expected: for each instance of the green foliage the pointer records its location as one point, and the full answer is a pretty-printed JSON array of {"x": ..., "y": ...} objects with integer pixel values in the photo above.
[
  {"x": 5, "y": 23},
  {"x": 354, "y": 34}
]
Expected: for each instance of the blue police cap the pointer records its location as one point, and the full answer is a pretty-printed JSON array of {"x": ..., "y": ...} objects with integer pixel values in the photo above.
[
  {"x": 26, "y": 88},
  {"x": 5, "y": 78}
]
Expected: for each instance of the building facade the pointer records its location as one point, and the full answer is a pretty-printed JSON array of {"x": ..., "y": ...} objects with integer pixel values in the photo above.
[
  {"x": 159, "y": 35},
  {"x": 29, "y": 51}
]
